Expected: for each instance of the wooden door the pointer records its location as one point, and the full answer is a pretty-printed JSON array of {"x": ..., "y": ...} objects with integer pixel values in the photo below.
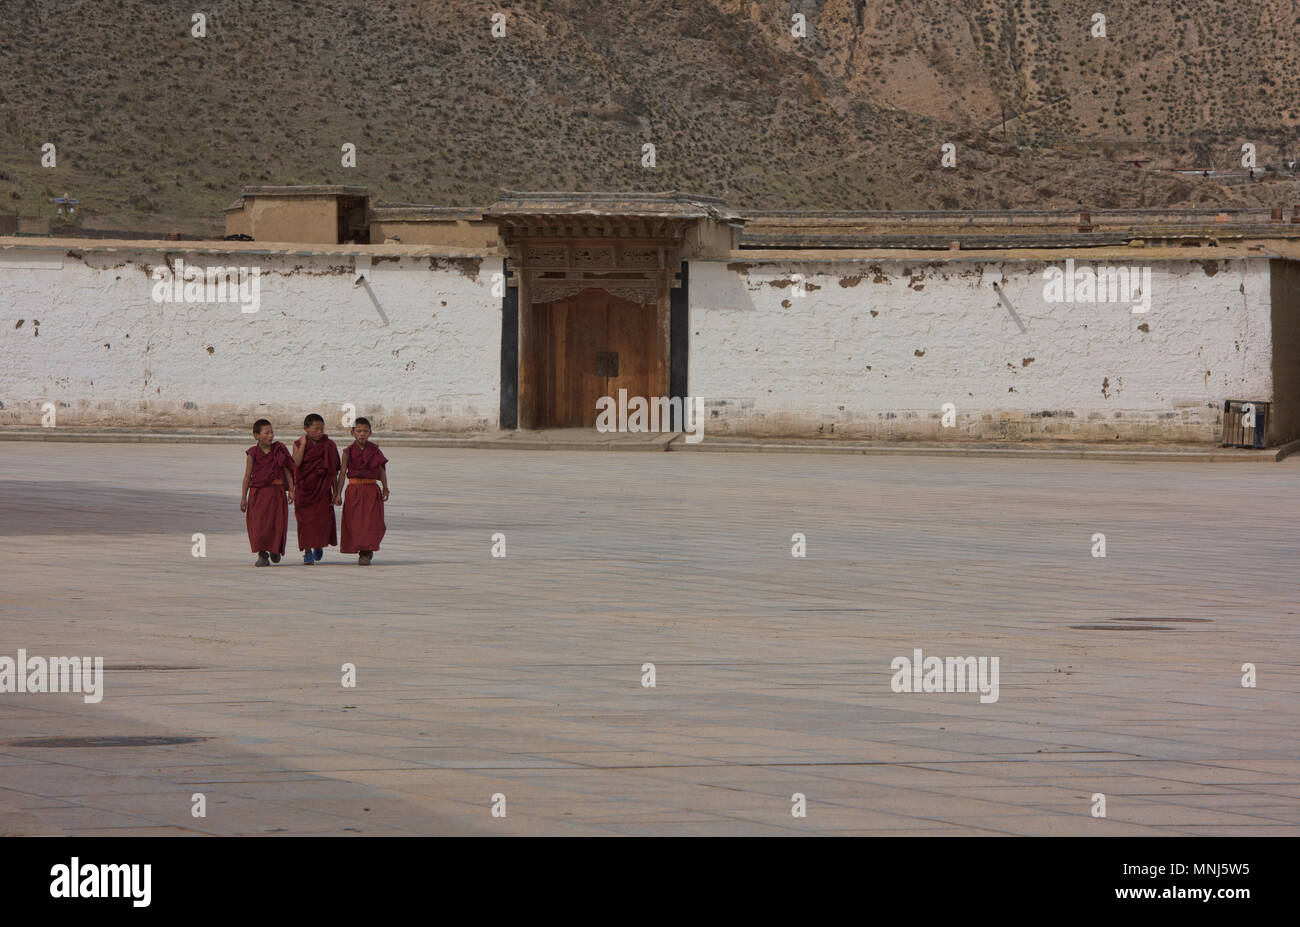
[{"x": 588, "y": 346}]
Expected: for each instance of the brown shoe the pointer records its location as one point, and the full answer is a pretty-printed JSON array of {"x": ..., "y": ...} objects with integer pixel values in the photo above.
[
  {"x": 365, "y": 557},
  {"x": 263, "y": 559}
]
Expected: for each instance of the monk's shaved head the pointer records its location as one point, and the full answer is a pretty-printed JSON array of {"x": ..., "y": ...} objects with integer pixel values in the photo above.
[
  {"x": 259, "y": 425},
  {"x": 307, "y": 422}
]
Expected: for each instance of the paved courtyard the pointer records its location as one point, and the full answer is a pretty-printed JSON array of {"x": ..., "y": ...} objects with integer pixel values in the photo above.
[{"x": 522, "y": 676}]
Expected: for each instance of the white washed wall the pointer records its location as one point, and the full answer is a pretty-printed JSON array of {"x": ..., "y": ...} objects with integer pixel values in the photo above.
[
  {"x": 876, "y": 350},
  {"x": 106, "y": 354},
  {"x": 766, "y": 362}
]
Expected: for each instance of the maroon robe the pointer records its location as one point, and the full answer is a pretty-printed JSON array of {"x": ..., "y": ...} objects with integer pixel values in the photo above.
[
  {"x": 268, "y": 508},
  {"x": 363, "y": 506},
  {"x": 313, "y": 495}
]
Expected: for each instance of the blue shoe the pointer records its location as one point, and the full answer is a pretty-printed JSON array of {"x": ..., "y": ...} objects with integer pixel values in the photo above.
[
  {"x": 307, "y": 558},
  {"x": 318, "y": 553}
]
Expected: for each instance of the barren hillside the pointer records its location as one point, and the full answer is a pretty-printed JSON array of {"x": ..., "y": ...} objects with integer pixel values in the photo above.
[{"x": 157, "y": 129}]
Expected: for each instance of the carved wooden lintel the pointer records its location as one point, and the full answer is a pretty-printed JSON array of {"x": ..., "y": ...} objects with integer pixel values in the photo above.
[{"x": 558, "y": 268}]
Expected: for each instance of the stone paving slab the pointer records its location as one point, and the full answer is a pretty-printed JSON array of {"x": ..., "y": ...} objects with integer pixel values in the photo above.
[{"x": 522, "y": 675}]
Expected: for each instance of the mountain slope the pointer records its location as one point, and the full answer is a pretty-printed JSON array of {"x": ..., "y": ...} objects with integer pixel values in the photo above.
[{"x": 158, "y": 129}]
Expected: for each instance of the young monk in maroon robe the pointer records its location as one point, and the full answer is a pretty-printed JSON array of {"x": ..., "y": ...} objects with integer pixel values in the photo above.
[
  {"x": 316, "y": 463},
  {"x": 268, "y": 485},
  {"x": 363, "y": 513}
]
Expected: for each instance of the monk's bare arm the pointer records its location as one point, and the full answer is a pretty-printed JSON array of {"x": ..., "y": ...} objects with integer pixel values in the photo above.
[
  {"x": 383, "y": 480},
  {"x": 243, "y": 490},
  {"x": 338, "y": 480},
  {"x": 299, "y": 449},
  {"x": 288, "y": 482}
]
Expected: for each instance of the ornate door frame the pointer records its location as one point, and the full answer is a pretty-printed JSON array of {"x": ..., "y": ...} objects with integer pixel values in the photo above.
[{"x": 636, "y": 259}]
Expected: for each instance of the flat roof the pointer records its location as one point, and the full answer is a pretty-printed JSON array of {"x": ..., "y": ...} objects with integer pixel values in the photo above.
[
  {"x": 1259, "y": 250},
  {"x": 993, "y": 240},
  {"x": 10, "y": 244},
  {"x": 1235, "y": 251},
  {"x": 1002, "y": 229},
  {"x": 396, "y": 212},
  {"x": 305, "y": 190},
  {"x": 1062, "y": 216}
]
